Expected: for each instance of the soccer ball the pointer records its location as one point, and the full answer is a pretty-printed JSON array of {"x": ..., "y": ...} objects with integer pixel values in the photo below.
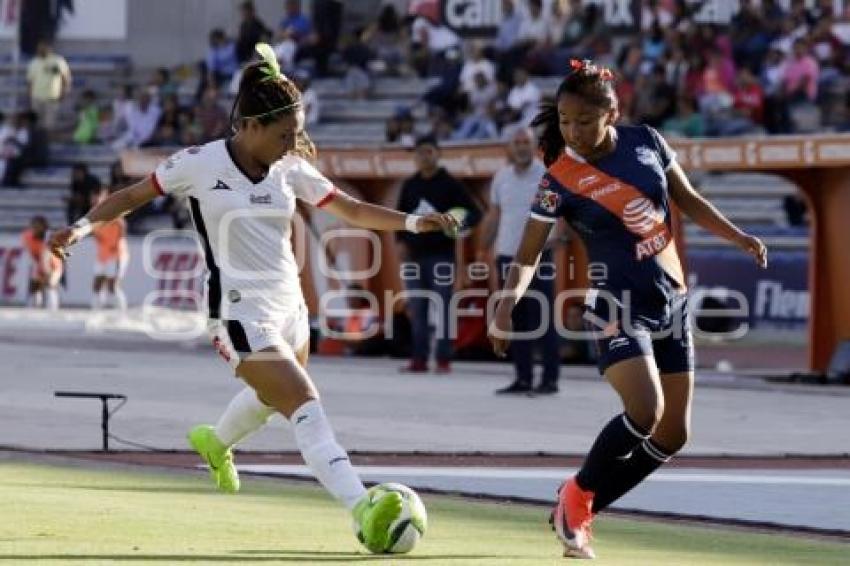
[{"x": 411, "y": 523}]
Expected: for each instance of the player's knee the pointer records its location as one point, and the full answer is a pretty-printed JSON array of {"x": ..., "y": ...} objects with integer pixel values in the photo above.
[
  {"x": 647, "y": 412},
  {"x": 672, "y": 437},
  {"x": 678, "y": 438}
]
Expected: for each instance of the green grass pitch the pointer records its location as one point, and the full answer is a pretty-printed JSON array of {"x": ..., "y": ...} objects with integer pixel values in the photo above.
[{"x": 53, "y": 514}]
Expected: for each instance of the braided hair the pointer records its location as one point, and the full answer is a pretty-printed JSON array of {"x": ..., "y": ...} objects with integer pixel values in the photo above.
[
  {"x": 265, "y": 94},
  {"x": 594, "y": 85}
]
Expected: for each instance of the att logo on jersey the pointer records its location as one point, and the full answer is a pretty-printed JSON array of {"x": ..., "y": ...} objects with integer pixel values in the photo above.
[
  {"x": 221, "y": 186},
  {"x": 651, "y": 246}
]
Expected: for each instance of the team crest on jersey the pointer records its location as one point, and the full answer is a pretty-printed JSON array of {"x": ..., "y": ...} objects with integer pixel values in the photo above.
[
  {"x": 548, "y": 200},
  {"x": 649, "y": 158},
  {"x": 221, "y": 186}
]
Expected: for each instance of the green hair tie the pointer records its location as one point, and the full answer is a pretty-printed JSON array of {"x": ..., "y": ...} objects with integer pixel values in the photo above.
[{"x": 271, "y": 67}]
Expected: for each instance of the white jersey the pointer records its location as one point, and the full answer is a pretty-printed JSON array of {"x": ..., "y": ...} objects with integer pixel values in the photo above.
[{"x": 244, "y": 227}]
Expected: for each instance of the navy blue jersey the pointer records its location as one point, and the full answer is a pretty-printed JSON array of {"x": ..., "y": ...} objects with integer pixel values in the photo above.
[{"x": 620, "y": 207}]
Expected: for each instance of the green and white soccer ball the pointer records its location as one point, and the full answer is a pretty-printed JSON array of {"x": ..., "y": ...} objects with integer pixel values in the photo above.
[{"x": 410, "y": 525}]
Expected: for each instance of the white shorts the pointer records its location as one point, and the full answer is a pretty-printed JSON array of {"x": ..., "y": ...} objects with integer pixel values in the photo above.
[
  {"x": 114, "y": 268},
  {"x": 234, "y": 340}
]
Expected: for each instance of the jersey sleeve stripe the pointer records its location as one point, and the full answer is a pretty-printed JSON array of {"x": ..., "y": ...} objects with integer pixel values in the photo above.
[
  {"x": 327, "y": 198},
  {"x": 156, "y": 184},
  {"x": 542, "y": 218}
]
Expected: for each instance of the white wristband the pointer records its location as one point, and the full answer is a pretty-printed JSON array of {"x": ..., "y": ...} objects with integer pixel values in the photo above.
[
  {"x": 410, "y": 223},
  {"x": 82, "y": 227}
]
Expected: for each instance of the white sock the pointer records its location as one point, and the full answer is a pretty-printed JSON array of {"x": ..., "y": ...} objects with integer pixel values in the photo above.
[
  {"x": 37, "y": 299},
  {"x": 121, "y": 299},
  {"x": 101, "y": 298},
  {"x": 325, "y": 457},
  {"x": 244, "y": 415},
  {"x": 52, "y": 299}
]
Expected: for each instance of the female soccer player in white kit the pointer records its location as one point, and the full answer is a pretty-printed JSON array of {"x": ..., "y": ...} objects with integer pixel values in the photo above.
[{"x": 242, "y": 193}]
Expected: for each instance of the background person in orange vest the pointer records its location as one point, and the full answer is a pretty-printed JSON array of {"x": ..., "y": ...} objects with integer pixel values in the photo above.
[
  {"x": 45, "y": 270},
  {"x": 112, "y": 259}
]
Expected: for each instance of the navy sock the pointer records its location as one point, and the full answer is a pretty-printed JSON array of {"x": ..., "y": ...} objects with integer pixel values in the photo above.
[
  {"x": 614, "y": 443},
  {"x": 645, "y": 459}
]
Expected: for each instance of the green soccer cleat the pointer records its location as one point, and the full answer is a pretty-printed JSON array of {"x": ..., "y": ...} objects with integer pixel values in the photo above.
[
  {"x": 373, "y": 515},
  {"x": 218, "y": 457}
]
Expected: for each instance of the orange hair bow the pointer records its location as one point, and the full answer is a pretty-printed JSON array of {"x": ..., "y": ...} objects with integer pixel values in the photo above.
[{"x": 588, "y": 66}]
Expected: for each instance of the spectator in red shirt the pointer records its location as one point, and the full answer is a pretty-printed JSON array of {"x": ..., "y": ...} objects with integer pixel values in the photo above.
[
  {"x": 694, "y": 86},
  {"x": 749, "y": 97}
]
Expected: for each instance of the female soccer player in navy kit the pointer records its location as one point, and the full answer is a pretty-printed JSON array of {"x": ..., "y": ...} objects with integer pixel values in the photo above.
[
  {"x": 614, "y": 184},
  {"x": 242, "y": 193}
]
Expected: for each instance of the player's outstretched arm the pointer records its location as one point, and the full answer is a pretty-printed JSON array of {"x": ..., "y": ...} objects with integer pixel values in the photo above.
[
  {"x": 520, "y": 274},
  {"x": 115, "y": 206},
  {"x": 374, "y": 217},
  {"x": 706, "y": 215}
]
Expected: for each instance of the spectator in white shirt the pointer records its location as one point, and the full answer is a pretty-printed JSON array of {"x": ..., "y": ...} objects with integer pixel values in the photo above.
[
  {"x": 431, "y": 43},
  {"x": 535, "y": 45},
  {"x": 141, "y": 120},
  {"x": 121, "y": 105},
  {"x": 509, "y": 28},
  {"x": 483, "y": 94},
  {"x": 476, "y": 63},
  {"x": 475, "y": 120},
  {"x": 534, "y": 29},
  {"x": 557, "y": 21},
  {"x": 524, "y": 97},
  {"x": 13, "y": 138}
]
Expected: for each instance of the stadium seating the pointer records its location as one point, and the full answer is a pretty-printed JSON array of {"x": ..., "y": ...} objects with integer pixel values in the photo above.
[
  {"x": 45, "y": 189},
  {"x": 753, "y": 200}
]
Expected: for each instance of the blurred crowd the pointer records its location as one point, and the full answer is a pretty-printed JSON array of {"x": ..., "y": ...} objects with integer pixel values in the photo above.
[{"x": 771, "y": 70}]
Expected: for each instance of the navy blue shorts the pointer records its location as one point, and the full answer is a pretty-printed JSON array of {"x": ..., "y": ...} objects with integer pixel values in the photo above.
[{"x": 664, "y": 335}]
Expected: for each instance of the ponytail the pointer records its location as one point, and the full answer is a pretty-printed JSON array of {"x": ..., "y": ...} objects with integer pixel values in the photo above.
[
  {"x": 265, "y": 94},
  {"x": 550, "y": 140}
]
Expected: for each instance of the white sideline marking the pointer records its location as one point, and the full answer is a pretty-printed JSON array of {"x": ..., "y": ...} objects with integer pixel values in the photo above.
[{"x": 558, "y": 474}]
